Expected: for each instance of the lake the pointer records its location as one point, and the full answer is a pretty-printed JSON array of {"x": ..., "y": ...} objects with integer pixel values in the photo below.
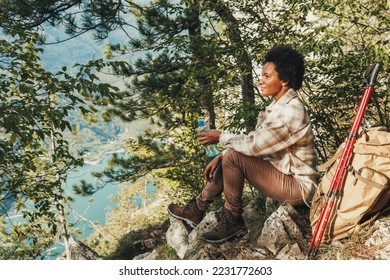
[
  {"x": 95, "y": 207},
  {"x": 91, "y": 208}
]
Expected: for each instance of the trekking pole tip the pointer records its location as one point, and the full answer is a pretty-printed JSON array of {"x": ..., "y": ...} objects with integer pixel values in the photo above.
[
  {"x": 315, "y": 253},
  {"x": 311, "y": 253},
  {"x": 308, "y": 254}
]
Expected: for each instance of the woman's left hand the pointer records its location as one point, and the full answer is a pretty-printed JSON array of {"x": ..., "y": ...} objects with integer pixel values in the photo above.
[{"x": 211, "y": 167}]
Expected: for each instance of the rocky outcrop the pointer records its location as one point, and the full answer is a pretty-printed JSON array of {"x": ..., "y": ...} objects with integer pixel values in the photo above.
[
  {"x": 80, "y": 251},
  {"x": 280, "y": 238},
  {"x": 186, "y": 242},
  {"x": 283, "y": 236}
]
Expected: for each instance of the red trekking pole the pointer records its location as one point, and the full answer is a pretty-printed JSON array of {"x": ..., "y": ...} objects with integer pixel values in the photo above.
[{"x": 336, "y": 184}]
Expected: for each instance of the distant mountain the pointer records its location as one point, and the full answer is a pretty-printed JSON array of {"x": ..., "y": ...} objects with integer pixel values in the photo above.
[
  {"x": 68, "y": 53},
  {"x": 77, "y": 50}
]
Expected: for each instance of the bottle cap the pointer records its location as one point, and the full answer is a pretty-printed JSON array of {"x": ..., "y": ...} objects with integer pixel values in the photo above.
[{"x": 200, "y": 123}]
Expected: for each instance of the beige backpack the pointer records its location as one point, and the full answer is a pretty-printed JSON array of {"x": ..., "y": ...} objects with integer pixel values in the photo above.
[{"x": 366, "y": 187}]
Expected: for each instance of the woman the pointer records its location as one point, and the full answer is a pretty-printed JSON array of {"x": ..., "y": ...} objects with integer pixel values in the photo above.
[{"x": 277, "y": 158}]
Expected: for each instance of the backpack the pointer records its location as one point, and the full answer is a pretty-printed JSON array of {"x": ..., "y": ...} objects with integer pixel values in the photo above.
[{"x": 366, "y": 186}]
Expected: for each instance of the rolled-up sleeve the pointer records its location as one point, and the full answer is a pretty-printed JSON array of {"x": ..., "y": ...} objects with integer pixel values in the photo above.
[{"x": 280, "y": 130}]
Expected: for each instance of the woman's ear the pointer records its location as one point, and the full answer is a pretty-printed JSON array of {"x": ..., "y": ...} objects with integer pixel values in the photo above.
[{"x": 284, "y": 83}]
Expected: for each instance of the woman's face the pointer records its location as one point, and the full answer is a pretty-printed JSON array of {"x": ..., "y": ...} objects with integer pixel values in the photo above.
[{"x": 270, "y": 84}]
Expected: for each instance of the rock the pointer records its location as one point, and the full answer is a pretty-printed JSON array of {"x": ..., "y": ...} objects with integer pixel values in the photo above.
[
  {"x": 383, "y": 254},
  {"x": 290, "y": 252},
  {"x": 184, "y": 242},
  {"x": 80, "y": 251},
  {"x": 381, "y": 235},
  {"x": 270, "y": 235},
  {"x": 146, "y": 244},
  {"x": 279, "y": 231},
  {"x": 177, "y": 237},
  {"x": 381, "y": 238},
  {"x": 271, "y": 205},
  {"x": 252, "y": 254},
  {"x": 202, "y": 254},
  {"x": 147, "y": 256},
  {"x": 207, "y": 224}
]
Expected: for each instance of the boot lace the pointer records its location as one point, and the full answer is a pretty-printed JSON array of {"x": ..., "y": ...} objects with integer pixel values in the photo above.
[{"x": 223, "y": 220}]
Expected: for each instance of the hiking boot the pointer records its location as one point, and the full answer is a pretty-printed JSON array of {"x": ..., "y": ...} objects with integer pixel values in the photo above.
[
  {"x": 228, "y": 228},
  {"x": 190, "y": 213}
]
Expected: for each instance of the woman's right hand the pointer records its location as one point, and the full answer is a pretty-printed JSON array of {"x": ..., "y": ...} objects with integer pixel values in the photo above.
[
  {"x": 209, "y": 137},
  {"x": 211, "y": 167}
]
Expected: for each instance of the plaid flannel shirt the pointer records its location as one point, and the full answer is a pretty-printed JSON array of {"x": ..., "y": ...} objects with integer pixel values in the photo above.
[{"x": 284, "y": 136}]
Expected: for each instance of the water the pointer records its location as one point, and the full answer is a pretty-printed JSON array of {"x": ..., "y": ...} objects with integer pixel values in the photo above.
[
  {"x": 90, "y": 211},
  {"x": 150, "y": 189},
  {"x": 84, "y": 210},
  {"x": 93, "y": 208}
]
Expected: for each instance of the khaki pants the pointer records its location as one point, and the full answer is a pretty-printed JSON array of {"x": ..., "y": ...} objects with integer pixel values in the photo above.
[{"x": 230, "y": 177}]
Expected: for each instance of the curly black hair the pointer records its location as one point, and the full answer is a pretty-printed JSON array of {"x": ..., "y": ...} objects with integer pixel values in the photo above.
[{"x": 289, "y": 64}]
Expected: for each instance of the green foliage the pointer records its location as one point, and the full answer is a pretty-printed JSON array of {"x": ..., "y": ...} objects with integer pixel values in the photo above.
[
  {"x": 198, "y": 55},
  {"x": 344, "y": 45},
  {"x": 34, "y": 156},
  {"x": 185, "y": 60}
]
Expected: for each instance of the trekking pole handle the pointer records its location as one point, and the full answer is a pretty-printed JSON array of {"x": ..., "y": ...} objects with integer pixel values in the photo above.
[{"x": 372, "y": 72}]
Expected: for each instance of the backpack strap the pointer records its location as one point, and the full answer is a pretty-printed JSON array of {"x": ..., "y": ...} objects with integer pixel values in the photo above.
[
  {"x": 326, "y": 165},
  {"x": 369, "y": 182}
]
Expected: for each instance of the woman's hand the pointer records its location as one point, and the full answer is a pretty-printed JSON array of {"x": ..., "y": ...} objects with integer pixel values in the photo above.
[
  {"x": 209, "y": 137},
  {"x": 209, "y": 171}
]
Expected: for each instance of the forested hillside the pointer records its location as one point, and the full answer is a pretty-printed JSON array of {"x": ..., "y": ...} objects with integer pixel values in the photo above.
[{"x": 169, "y": 64}]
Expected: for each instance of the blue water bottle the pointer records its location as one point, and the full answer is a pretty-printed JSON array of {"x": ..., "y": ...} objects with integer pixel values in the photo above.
[{"x": 212, "y": 149}]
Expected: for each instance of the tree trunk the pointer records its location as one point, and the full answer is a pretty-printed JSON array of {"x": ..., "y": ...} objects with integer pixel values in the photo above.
[
  {"x": 244, "y": 61},
  {"x": 198, "y": 58}
]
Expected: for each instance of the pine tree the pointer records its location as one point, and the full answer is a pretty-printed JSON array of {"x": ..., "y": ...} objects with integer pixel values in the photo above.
[{"x": 191, "y": 59}]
